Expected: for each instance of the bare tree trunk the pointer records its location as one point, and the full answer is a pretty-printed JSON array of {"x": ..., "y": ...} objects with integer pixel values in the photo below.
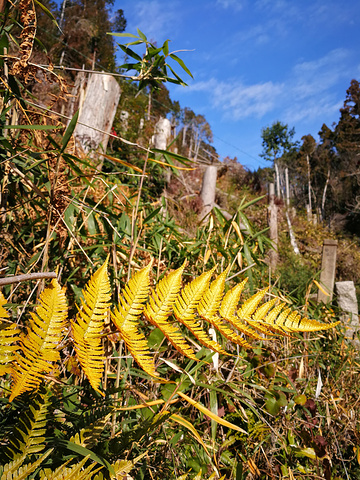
[
  {"x": 273, "y": 227},
  {"x": 324, "y": 194},
  {"x": 287, "y": 187},
  {"x": 309, "y": 188},
  {"x": 98, "y": 111},
  {"x": 292, "y": 236},
  {"x": 208, "y": 190},
  {"x": 277, "y": 178},
  {"x": 185, "y": 127}
]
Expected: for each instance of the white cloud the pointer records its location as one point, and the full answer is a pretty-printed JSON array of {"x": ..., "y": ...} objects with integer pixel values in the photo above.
[
  {"x": 239, "y": 101},
  {"x": 155, "y": 19},
  {"x": 236, "y": 5},
  {"x": 307, "y": 92}
]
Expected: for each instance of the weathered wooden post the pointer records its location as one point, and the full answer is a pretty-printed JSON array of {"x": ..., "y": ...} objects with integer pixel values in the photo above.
[
  {"x": 208, "y": 189},
  {"x": 347, "y": 301},
  {"x": 273, "y": 226},
  {"x": 328, "y": 265},
  {"x": 97, "y": 112}
]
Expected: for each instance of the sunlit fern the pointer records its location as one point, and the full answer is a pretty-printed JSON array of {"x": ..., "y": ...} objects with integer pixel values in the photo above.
[
  {"x": 178, "y": 312},
  {"x": 9, "y": 334},
  {"x": 89, "y": 325},
  {"x": 38, "y": 348}
]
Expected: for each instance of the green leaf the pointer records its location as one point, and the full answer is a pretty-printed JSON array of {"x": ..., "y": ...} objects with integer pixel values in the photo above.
[
  {"x": 130, "y": 52},
  {"x": 300, "y": 399},
  {"x": 152, "y": 215},
  {"x": 272, "y": 406},
  {"x": 305, "y": 452},
  {"x": 165, "y": 48},
  {"x": 84, "y": 452},
  {"x": 251, "y": 202},
  {"x": 142, "y": 35},
  {"x": 69, "y": 131},
  {"x": 48, "y": 13},
  {"x": 32, "y": 127},
  {"x": 181, "y": 63},
  {"x": 180, "y": 158},
  {"x": 122, "y": 34}
]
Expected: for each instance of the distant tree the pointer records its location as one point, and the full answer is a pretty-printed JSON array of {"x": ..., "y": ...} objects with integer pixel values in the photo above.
[
  {"x": 347, "y": 144},
  {"x": 85, "y": 27},
  {"x": 276, "y": 142}
]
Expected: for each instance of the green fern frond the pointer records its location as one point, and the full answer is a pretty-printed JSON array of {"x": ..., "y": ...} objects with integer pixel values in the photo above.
[
  {"x": 126, "y": 316},
  {"x": 28, "y": 436},
  {"x": 186, "y": 305},
  {"x": 160, "y": 307},
  {"x": 89, "y": 436},
  {"x": 89, "y": 325},
  {"x": 15, "y": 470},
  {"x": 39, "y": 346}
]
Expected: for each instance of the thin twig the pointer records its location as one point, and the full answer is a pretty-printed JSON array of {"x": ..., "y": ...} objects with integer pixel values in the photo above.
[{"x": 26, "y": 277}]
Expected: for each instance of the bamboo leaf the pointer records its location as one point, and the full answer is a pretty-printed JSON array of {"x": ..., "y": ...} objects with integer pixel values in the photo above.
[{"x": 209, "y": 414}]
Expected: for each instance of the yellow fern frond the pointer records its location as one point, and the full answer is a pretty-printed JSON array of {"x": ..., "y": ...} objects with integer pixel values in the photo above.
[
  {"x": 9, "y": 336},
  {"x": 297, "y": 324},
  {"x": 209, "y": 306},
  {"x": 3, "y": 312},
  {"x": 259, "y": 327},
  {"x": 250, "y": 305},
  {"x": 39, "y": 346},
  {"x": 160, "y": 307},
  {"x": 78, "y": 471},
  {"x": 262, "y": 311},
  {"x": 281, "y": 319},
  {"x": 210, "y": 301},
  {"x": 228, "y": 332},
  {"x": 17, "y": 470},
  {"x": 231, "y": 300},
  {"x": 185, "y": 309},
  {"x": 242, "y": 327},
  {"x": 187, "y": 302},
  {"x": 126, "y": 316},
  {"x": 89, "y": 325}
]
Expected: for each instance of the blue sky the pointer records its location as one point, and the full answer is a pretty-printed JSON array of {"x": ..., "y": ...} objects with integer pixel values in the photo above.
[{"x": 257, "y": 61}]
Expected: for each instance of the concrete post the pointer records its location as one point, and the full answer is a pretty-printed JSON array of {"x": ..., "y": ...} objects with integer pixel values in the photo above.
[
  {"x": 328, "y": 265},
  {"x": 347, "y": 301}
]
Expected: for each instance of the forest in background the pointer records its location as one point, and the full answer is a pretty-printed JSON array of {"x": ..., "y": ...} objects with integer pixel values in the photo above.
[{"x": 61, "y": 212}]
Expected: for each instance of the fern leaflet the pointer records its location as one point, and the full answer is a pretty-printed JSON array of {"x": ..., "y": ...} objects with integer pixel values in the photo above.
[
  {"x": 125, "y": 318},
  {"x": 185, "y": 309},
  {"x": 160, "y": 307},
  {"x": 89, "y": 324},
  {"x": 39, "y": 346}
]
